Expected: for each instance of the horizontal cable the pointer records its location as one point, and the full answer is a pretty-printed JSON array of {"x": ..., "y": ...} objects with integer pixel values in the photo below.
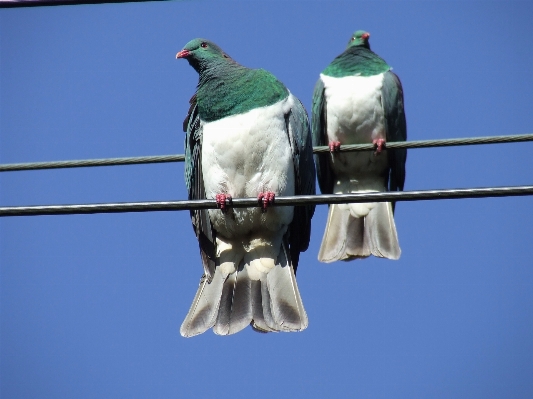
[
  {"x": 40, "y": 3},
  {"x": 91, "y": 162},
  {"x": 348, "y": 147},
  {"x": 435, "y": 143},
  {"x": 279, "y": 201}
]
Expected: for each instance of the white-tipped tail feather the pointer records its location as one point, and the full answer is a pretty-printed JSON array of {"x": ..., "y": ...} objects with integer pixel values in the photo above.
[
  {"x": 350, "y": 235},
  {"x": 268, "y": 301}
]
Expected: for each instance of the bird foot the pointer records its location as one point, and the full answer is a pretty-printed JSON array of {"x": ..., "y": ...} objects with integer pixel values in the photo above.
[
  {"x": 223, "y": 202},
  {"x": 379, "y": 145},
  {"x": 266, "y": 199},
  {"x": 334, "y": 146}
]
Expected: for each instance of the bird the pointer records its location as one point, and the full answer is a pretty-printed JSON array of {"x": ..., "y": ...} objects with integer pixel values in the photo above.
[
  {"x": 356, "y": 100},
  {"x": 247, "y": 136}
]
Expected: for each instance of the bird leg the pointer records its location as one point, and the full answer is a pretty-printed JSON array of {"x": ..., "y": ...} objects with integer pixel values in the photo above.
[
  {"x": 379, "y": 145},
  {"x": 223, "y": 201},
  {"x": 266, "y": 199},
  {"x": 334, "y": 146}
]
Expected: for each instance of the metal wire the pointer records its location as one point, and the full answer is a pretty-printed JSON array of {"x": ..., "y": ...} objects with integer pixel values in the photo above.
[
  {"x": 322, "y": 149},
  {"x": 436, "y": 143},
  {"x": 40, "y": 3},
  {"x": 91, "y": 162},
  {"x": 279, "y": 201}
]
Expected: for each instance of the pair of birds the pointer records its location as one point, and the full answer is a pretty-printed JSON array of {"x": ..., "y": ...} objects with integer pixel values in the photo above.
[{"x": 248, "y": 136}]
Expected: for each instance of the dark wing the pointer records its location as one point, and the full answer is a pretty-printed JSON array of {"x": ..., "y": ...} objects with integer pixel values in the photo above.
[
  {"x": 304, "y": 173},
  {"x": 320, "y": 138},
  {"x": 392, "y": 98},
  {"x": 195, "y": 186}
]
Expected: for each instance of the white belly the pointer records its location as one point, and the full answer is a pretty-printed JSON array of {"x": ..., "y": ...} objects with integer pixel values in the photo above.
[
  {"x": 244, "y": 155},
  {"x": 354, "y": 116}
]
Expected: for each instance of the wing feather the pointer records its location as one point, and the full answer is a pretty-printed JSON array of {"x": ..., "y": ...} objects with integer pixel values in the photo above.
[
  {"x": 304, "y": 172},
  {"x": 195, "y": 187},
  {"x": 393, "y": 107},
  {"x": 320, "y": 138}
]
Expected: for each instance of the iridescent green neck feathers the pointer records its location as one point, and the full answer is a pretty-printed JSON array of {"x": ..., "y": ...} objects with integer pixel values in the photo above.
[{"x": 226, "y": 88}]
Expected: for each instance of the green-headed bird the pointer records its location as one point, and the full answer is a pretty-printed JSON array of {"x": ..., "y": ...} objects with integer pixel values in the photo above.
[
  {"x": 358, "y": 99},
  {"x": 247, "y": 136}
]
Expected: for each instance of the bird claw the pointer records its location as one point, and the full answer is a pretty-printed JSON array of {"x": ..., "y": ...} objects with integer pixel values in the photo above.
[
  {"x": 379, "y": 145},
  {"x": 223, "y": 201},
  {"x": 266, "y": 199},
  {"x": 334, "y": 146}
]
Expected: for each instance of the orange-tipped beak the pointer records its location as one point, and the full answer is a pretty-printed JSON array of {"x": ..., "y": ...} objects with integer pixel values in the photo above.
[
  {"x": 183, "y": 54},
  {"x": 365, "y": 35}
]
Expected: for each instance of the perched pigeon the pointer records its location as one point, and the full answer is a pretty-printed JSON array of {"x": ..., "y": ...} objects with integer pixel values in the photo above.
[
  {"x": 247, "y": 136},
  {"x": 359, "y": 100}
]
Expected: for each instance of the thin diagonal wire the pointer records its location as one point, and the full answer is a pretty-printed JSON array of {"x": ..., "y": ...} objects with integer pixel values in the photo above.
[
  {"x": 279, "y": 201},
  {"x": 41, "y": 3},
  {"x": 91, "y": 162},
  {"x": 435, "y": 143},
  {"x": 322, "y": 149}
]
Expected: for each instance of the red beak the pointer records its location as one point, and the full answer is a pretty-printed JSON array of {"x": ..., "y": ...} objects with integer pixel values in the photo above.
[
  {"x": 365, "y": 35},
  {"x": 183, "y": 54}
]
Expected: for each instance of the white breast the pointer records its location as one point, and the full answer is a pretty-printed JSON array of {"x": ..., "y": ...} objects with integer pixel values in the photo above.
[
  {"x": 355, "y": 115},
  {"x": 354, "y": 109},
  {"x": 243, "y": 155}
]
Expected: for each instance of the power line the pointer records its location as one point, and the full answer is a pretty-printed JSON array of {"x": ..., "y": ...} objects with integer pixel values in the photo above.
[
  {"x": 41, "y": 3},
  {"x": 279, "y": 201},
  {"x": 322, "y": 149},
  {"x": 91, "y": 162},
  {"x": 436, "y": 143}
]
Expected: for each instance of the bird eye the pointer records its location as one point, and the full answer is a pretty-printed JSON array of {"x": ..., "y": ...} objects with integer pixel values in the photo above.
[
  {"x": 353, "y": 38},
  {"x": 203, "y": 45}
]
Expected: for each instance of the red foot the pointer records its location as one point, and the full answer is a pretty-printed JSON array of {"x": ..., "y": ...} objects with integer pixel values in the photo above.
[
  {"x": 334, "y": 146},
  {"x": 266, "y": 199},
  {"x": 223, "y": 201},
  {"x": 379, "y": 145}
]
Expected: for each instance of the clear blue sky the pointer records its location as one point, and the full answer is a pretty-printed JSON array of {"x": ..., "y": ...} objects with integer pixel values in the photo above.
[{"x": 90, "y": 305}]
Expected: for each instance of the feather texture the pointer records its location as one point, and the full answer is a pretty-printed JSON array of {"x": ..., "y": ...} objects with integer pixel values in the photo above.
[
  {"x": 359, "y": 100},
  {"x": 268, "y": 301},
  {"x": 348, "y": 237},
  {"x": 246, "y": 134}
]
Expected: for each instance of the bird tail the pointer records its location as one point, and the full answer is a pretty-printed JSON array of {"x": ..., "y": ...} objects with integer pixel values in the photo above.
[
  {"x": 358, "y": 231},
  {"x": 268, "y": 300}
]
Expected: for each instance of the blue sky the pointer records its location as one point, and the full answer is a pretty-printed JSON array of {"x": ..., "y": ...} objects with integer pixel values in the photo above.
[{"x": 90, "y": 305}]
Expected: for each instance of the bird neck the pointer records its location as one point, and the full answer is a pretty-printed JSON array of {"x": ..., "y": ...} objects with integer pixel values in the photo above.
[
  {"x": 226, "y": 89},
  {"x": 357, "y": 60}
]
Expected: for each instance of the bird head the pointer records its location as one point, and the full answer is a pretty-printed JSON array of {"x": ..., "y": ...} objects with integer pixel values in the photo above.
[
  {"x": 359, "y": 38},
  {"x": 201, "y": 53}
]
